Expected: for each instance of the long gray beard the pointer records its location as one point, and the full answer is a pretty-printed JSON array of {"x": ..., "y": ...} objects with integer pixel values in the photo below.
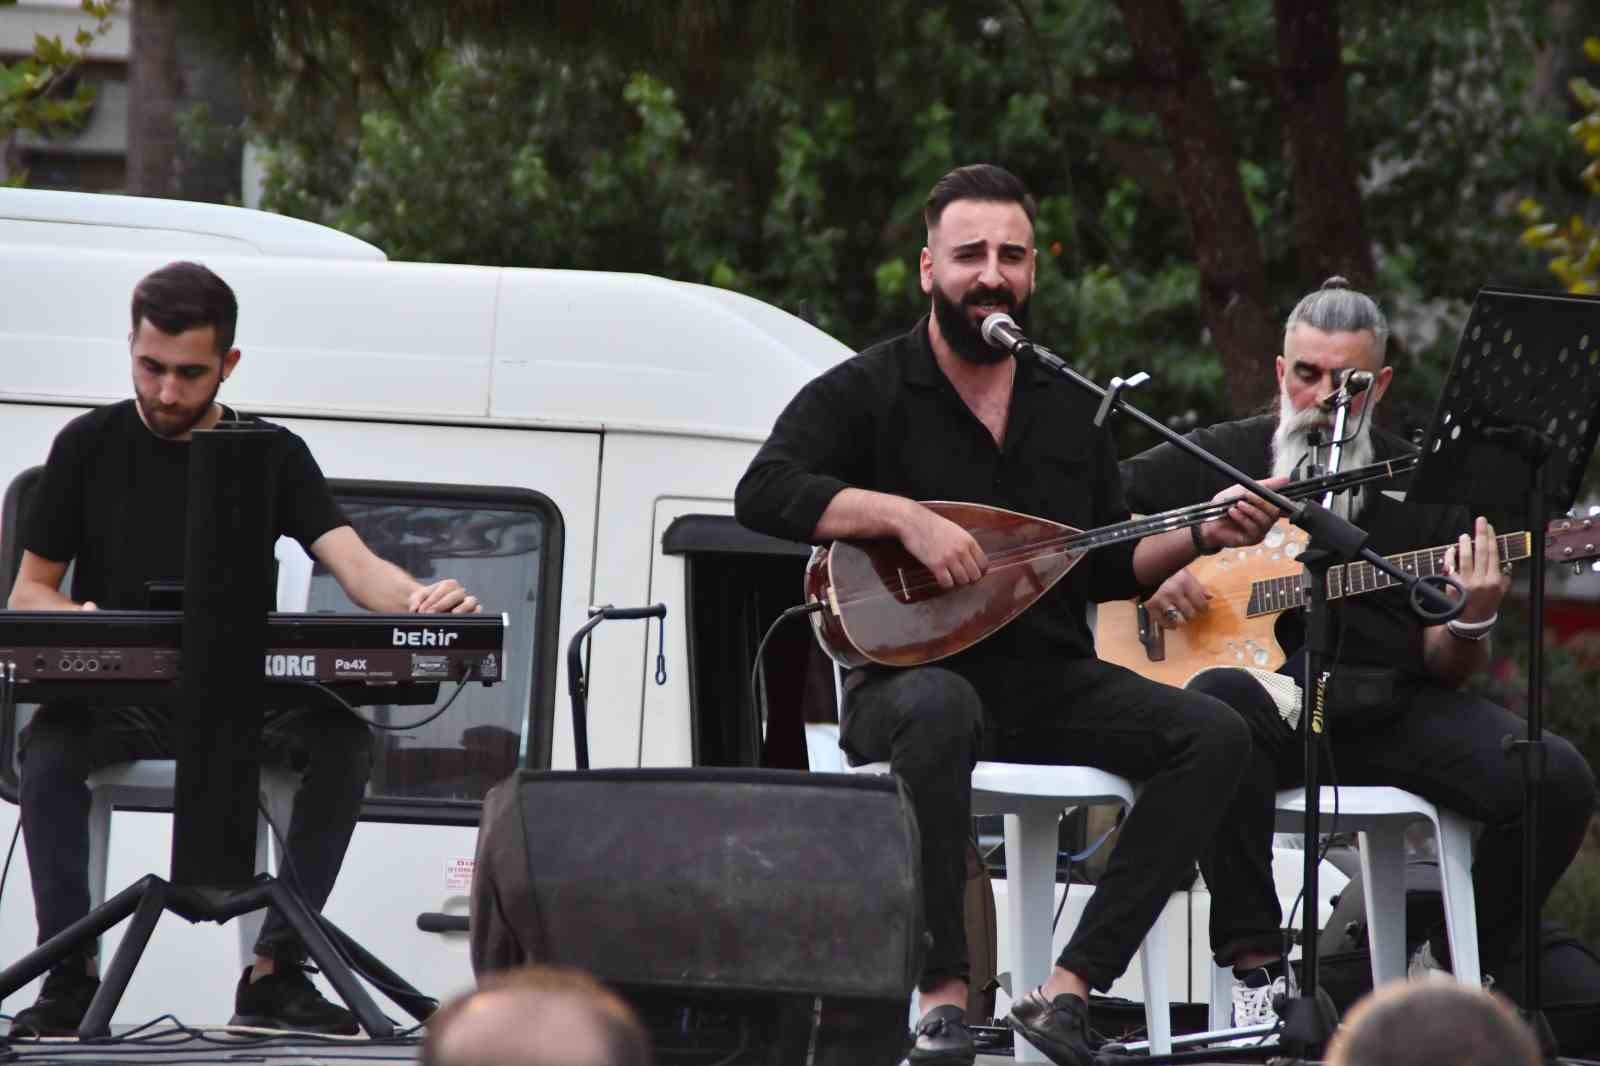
[{"x": 1292, "y": 451}]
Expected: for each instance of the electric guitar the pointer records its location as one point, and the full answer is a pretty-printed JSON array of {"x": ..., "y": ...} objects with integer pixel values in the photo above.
[{"x": 1251, "y": 586}]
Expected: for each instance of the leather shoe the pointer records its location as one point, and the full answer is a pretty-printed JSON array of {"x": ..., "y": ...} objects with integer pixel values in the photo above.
[
  {"x": 1058, "y": 1027},
  {"x": 942, "y": 1039}
]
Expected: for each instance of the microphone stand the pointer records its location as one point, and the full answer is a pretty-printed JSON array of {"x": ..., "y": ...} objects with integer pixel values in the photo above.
[{"x": 1310, "y": 1018}]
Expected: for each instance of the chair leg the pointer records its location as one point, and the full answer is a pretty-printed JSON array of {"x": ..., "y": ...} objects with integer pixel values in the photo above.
[
  {"x": 1383, "y": 870},
  {"x": 1031, "y": 842},
  {"x": 1221, "y": 1013},
  {"x": 249, "y": 925},
  {"x": 1157, "y": 1003},
  {"x": 99, "y": 850},
  {"x": 1454, "y": 837}
]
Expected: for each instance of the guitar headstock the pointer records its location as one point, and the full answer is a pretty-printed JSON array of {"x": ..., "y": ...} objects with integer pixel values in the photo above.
[{"x": 1573, "y": 539}]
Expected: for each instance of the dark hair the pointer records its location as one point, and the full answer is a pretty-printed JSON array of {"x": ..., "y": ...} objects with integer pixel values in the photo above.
[
  {"x": 183, "y": 296},
  {"x": 626, "y": 1042},
  {"x": 980, "y": 181},
  {"x": 1455, "y": 1024}
]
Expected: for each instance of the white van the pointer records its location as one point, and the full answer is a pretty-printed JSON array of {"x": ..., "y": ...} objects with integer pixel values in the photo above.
[
  {"x": 553, "y": 439},
  {"x": 533, "y": 433}
]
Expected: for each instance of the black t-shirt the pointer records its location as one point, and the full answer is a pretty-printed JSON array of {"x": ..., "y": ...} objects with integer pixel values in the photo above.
[
  {"x": 1379, "y": 627},
  {"x": 888, "y": 420},
  {"x": 114, "y": 500}
]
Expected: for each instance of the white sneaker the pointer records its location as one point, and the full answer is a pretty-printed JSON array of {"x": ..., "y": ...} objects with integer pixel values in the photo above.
[
  {"x": 1423, "y": 965},
  {"x": 1254, "y": 1006}
]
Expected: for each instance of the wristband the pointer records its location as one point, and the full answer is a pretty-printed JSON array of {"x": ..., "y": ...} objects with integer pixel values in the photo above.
[
  {"x": 1473, "y": 630},
  {"x": 1200, "y": 545}
]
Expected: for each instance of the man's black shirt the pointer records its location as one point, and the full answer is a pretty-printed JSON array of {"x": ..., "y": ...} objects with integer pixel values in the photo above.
[
  {"x": 888, "y": 420},
  {"x": 1379, "y": 627},
  {"x": 114, "y": 501}
]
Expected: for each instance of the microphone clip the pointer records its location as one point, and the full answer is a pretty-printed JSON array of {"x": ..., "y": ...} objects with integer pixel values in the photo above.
[
  {"x": 1348, "y": 384},
  {"x": 1114, "y": 392}
]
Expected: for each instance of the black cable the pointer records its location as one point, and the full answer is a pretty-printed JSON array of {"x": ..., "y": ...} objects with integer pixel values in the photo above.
[
  {"x": 1333, "y": 782},
  {"x": 299, "y": 888},
  {"x": 756, "y": 673},
  {"x": 461, "y": 683},
  {"x": 12, "y": 850}
]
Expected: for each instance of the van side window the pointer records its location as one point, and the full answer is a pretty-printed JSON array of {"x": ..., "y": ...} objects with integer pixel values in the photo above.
[{"x": 504, "y": 546}]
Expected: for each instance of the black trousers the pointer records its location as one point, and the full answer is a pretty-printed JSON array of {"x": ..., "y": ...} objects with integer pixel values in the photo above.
[
  {"x": 1443, "y": 744},
  {"x": 62, "y": 745},
  {"x": 932, "y": 724}
]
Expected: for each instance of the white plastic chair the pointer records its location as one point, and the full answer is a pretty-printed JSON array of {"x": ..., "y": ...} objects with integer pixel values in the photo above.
[
  {"x": 1381, "y": 814},
  {"x": 153, "y": 782},
  {"x": 1032, "y": 799}
]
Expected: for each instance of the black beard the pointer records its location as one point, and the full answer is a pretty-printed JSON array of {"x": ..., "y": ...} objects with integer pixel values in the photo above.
[
  {"x": 966, "y": 339},
  {"x": 150, "y": 417}
]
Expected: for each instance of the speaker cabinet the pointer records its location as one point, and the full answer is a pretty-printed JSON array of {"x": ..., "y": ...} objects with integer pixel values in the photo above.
[{"x": 771, "y": 914}]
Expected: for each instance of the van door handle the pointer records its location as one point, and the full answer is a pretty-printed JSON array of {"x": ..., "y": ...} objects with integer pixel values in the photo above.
[{"x": 436, "y": 922}]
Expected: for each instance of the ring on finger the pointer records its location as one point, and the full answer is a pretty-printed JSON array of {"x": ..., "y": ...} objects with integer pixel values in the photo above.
[{"x": 1173, "y": 614}]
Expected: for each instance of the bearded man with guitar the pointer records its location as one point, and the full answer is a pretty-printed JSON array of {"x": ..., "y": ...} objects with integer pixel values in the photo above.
[
  {"x": 937, "y": 414},
  {"x": 1397, "y": 715}
]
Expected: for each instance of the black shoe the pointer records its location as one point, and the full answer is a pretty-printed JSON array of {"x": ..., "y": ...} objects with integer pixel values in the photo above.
[
  {"x": 62, "y": 1003},
  {"x": 286, "y": 999},
  {"x": 1058, "y": 1027},
  {"x": 942, "y": 1039}
]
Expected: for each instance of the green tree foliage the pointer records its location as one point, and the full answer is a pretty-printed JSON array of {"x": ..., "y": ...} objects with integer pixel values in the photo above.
[
  {"x": 38, "y": 92},
  {"x": 794, "y": 171},
  {"x": 1573, "y": 245}
]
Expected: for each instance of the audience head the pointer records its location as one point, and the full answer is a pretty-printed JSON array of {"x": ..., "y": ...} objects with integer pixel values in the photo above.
[
  {"x": 536, "y": 1016},
  {"x": 1437, "y": 1021}
]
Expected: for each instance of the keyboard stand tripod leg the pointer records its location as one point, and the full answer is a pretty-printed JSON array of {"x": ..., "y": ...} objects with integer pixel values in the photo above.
[
  {"x": 76, "y": 938},
  {"x": 323, "y": 953},
  {"x": 97, "y": 1019},
  {"x": 416, "y": 1004}
]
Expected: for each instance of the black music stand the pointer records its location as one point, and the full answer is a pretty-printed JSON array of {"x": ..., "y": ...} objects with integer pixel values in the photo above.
[
  {"x": 1516, "y": 423},
  {"x": 232, "y": 477}
]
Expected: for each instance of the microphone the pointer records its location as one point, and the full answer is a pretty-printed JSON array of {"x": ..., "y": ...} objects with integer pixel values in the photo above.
[
  {"x": 1001, "y": 331},
  {"x": 1352, "y": 383}
]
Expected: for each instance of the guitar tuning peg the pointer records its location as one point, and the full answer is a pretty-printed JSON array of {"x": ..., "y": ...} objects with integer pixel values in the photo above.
[{"x": 1594, "y": 511}]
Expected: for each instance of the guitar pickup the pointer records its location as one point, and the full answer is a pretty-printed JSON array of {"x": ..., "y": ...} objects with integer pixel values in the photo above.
[{"x": 1152, "y": 636}]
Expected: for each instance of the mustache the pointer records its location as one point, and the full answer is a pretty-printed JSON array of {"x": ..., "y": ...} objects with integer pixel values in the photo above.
[
  {"x": 1292, "y": 421},
  {"x": 978, "y": 296}
]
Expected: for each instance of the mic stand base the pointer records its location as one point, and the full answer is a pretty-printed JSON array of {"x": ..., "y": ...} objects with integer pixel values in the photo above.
[{"x": 1308, "y": 1025}]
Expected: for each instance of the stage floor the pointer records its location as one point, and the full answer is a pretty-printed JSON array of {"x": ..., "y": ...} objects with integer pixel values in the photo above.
[{"x": 168, "y": 1046}]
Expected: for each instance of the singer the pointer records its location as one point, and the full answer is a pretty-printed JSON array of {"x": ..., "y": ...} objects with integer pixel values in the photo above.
[
  {"x": 940, "y": 414},
  {"x": 1396, "y": 713}
]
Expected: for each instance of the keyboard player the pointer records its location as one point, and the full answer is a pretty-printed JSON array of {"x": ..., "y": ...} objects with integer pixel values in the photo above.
[{"x": 113, "y": 500}]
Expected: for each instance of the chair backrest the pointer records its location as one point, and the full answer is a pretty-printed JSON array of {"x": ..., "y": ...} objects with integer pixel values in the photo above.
[
  {"x": 15, "y": 505},
  {"x": 18, "y": 493}
]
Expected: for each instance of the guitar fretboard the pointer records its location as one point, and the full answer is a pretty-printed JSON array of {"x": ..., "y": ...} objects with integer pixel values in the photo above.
[{"x": 1288, "y": 592}]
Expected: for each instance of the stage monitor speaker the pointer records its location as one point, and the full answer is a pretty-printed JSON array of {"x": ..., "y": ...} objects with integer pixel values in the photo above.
[{"x": 729, "y": 904}]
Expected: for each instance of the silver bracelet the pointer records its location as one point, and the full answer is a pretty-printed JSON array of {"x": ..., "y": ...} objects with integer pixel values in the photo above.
[{"x": 1473, "y": 630}]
